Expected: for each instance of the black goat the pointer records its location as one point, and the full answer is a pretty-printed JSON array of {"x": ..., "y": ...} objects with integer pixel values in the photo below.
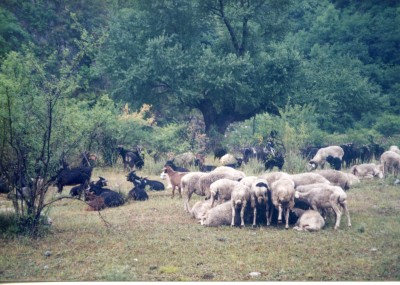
[
  {"x": 138, "y": 193},
  {"x": 73, "y": 176},
  {"x": 153, "y": 184},
  {"x": 174, "y": 167},
  {"x": 111, "y": 198},
  {"x": 131, "y": 158}
]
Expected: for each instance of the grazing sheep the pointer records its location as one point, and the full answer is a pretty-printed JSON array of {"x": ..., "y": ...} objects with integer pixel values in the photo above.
[
  {"x": 206, "y": 180},
  {"x": 324, "y": 196},
  {"x": 394, "y": 148},
  {"x": 200, "y": 209},
  {"x": 239, "y": 198},
  {"x": 339, "y": 178},
  {"x": 220, "y": 215},
  {"x": 282, "y": 196},
  {"x": 308, "y": 220},
  {"x": 271, "y": 177},
  {"x": 308, "y": 178},
  {"x": 221, "y": 190},
  {"x": 190, "y": 184},
  {"x": 185, "y": 159},
  {"x": 175, "y": 179},
  {"x": 323, "y": 153},
  {"x": 248, "y": 180},
  {"x": 261, "y": 194},
  {"x": 391, "y": 162},
  {"x": 367, "y": 170},
  {"x": 227, "y": 159},
  {"x": 227, "y": 169}
]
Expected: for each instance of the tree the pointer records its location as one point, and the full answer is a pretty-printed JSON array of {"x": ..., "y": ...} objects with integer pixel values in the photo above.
[{"x": 223, "y": 58}]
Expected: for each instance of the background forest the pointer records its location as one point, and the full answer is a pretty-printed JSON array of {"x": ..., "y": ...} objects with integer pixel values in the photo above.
[{"x": 174, "y": 76}]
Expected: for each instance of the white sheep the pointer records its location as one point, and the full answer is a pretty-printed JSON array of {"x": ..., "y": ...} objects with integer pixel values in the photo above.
[
  {"x": 319, "y": 159},
  {"x": 221, "y": 190},
  {"x": 227, "y": 159},
  {"x": 227, "y": 169},
  {"x": 339, "y": 178},
  {"x": 367, "y": 170},
  {"x": 189, "y": 185},
  {"x": 394, "y": 148},
  {"x": 240, "y": 197},
  {"x": 218, "y": 216},
  {"x": 282, "y": 196},
  {"x": 206, "y": 180},
  {"x": 260, "y": 191},
  {"x": 308, "y": 178},
  {"x": 308, "y": 220},
  {"x": 200, "y": 209},
  {"x": 390, "y": 161},
  {"x": 324, "y": 196},
  {"x": 248, "y": 180},
  {"x": 271, "y": 177}
]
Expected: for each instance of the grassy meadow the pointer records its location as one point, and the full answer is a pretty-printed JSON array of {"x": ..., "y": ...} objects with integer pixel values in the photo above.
[{"x": 156, "y": 240}]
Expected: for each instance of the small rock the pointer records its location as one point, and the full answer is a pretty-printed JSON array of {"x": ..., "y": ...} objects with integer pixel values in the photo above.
[
  {"x": 45, "y": 267},
  {"x": 47, "y": 253},
  {"x": 397, "y": 181},
  {"x": 374, "y": 249},
  {"x": 255, "y": 274},
  {"x": 135, "y": 259}
]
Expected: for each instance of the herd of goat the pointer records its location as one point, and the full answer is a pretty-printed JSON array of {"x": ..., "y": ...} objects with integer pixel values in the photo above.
[{"x": 231, "y": 197}]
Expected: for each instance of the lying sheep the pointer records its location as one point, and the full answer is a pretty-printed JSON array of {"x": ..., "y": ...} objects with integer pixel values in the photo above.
[
  {"x": 339, "y": 178},
  {"x": 221, "y": 190},
  {"x": 220, "y": 215},
  {"x": 261, "y": 194},
  {"x": 367, "y": 170},
  {"x": 308, "y": 220},
  {"x": 391, "y": 162},
  {"x": 308, "y": 178},
  {"x": 333, "y": 152},
  {"x": 282, "y": 196},
  {"x": 240, "y": 197},
  {"x": 200, "y": 209},
  {"x": 190, "y": 184},
  {"x": 324, "y": 196}
]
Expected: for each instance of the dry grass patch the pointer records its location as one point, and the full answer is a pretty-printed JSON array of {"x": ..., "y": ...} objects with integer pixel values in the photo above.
[{"x": 156, "y": 240}]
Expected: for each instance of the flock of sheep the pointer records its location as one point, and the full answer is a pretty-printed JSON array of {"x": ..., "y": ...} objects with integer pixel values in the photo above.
[{"x": 232, "y": 198}]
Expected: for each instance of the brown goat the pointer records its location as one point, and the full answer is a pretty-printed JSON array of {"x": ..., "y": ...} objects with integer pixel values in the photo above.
[{"x": 175, "y": 179}]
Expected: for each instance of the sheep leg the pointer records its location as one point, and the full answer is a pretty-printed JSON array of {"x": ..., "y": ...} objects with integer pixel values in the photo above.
[
  {"x": 254, "y": 216},
  {"x": 338, "y": 215},
  {"x": 287, "y": 217},
  {"x": 242, "y": 214},
  {"x": 233, "y": 215},
  {"x": 266, "y": 214},
  {"x": 346, "y": 211},
  {"x": 186, "y": 202},
  {"x": 279, "y": 214}
]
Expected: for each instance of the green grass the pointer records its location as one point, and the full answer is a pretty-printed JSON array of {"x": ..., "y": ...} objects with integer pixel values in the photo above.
[{"x": 157, "y": 241}]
